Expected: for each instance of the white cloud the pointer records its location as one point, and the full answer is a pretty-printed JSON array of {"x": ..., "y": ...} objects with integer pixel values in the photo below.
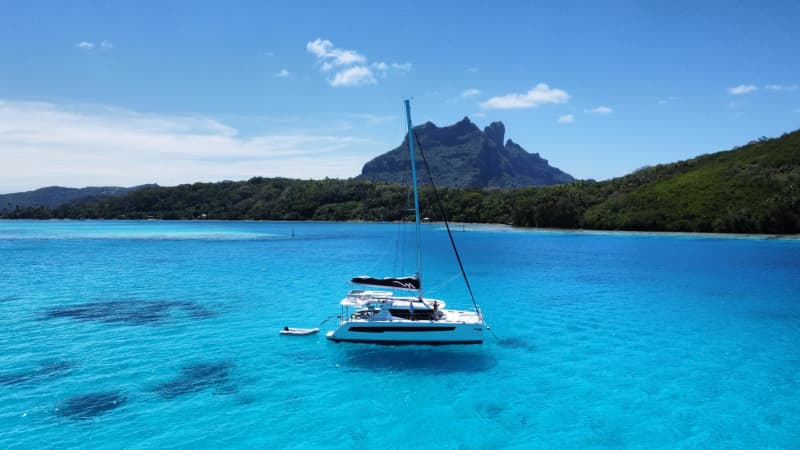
[
  {"x": 742, "y": 89},
  {"x": 283, "y": 73},
  {"x": 781, "y": 87},
  {"x": 602, "y": 110},
  {"x": 671, "y": 99},
  {"x": 353, "y": 76},
  {"x": 352, "y": 68},
  {"x": 539, "y": 95},
  {"x": 566, "y": 118},
  {"x": 106, "y": 44},
  {"x": 330, "y": 56},
  {"x": 85, "y": 45},
  {"x": 472, "y": 69},
  {"x": 49, "y": 144},
  {"x": 472, "y": 92}
]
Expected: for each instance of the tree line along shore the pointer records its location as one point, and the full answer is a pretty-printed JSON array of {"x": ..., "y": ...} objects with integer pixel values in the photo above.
[{"x": 754, "y": 188}]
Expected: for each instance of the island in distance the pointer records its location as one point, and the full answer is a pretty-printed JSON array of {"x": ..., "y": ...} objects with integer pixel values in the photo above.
[
  {"x": 747, "y": 189},
  {"x": 55, "y": 196},
  {"x": 461, "y": 155}
]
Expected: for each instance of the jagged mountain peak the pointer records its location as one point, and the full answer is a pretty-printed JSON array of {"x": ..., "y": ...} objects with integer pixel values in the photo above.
[
  {"x": 462, "y": 155},
  {"x": 496, "y": 131}
]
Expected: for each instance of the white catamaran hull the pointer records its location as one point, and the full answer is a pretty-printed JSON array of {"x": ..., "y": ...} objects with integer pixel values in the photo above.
[{"x": 408, "y": 333}]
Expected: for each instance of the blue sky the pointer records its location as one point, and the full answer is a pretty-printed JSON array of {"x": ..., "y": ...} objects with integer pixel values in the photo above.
[{"x": 123, "y": 93}]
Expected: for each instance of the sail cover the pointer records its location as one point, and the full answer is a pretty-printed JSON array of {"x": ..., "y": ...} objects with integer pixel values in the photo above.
[{"x": 410, "y": 283}]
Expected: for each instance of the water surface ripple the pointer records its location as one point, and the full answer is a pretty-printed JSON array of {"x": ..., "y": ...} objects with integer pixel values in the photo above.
[{"x": 165, "y": 334}]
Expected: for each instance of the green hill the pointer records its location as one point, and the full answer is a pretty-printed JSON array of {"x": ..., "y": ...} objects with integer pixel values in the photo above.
[
  {"x": 754, "y": 188},
  {"x": 750, "y": 189},
  {"x": 53, "y": 196}
]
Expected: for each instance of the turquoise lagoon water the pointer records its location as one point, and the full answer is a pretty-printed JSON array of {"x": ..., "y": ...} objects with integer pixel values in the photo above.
[{"x": 165, "y": 335}]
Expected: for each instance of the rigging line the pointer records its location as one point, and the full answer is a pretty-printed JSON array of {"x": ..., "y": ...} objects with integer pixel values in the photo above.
[
  {"x": 447, "y": 225},
  {"x": 400, "y": 239},
  {"x": 327, "y": 319},
  {"x": 490, "y": 330},
  {"x": 444, "y": 283},
  {"x": 400, "y": 229},
  {"x": 398, "y": 269}
]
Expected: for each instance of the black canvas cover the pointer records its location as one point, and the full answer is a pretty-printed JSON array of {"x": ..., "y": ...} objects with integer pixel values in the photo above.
[{"x": 410, "y": 283}]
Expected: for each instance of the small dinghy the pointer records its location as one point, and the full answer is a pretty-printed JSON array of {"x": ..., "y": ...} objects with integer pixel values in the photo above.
[{"x": 299, "y": 331}]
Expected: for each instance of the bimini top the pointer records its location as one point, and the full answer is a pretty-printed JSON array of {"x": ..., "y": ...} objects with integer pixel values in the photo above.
[{"x": 408, "y": 283}]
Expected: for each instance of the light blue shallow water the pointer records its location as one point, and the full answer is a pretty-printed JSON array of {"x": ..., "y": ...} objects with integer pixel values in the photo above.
[{"x": 165, "y": 334}]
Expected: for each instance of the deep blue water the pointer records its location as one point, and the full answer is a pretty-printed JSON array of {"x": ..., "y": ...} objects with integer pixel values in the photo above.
[{"x": 165, "y": 334}]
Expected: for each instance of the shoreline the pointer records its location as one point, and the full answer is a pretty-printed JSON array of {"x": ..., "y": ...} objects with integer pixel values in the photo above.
[{"x": 457, "y": 227}]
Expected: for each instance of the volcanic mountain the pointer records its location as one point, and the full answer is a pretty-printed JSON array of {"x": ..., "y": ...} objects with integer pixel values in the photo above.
[{"x": 461, "y": 155}]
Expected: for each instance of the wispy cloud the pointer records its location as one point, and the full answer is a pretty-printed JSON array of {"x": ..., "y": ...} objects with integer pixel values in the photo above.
[
  {"x": 71, "y": 145},
  {"x": 464, "y": 95},
  {"x": 468, "y": 93},
  {"x": 472, "y": 69},
  {"x": 781, "y": 87},
  {"x": 88, "y": 45},
  {"x": 670, "y": 99},
  {"x": 566, "y": 118},
  {"x": 742, "y": 89},
  {"x": 370, "y": 120},
  {"x": 283, "y": 73},
  {"x": 539, "y": 95},
  {"x": 602, "y": 110},
  {"x": 350, "y": 67}
]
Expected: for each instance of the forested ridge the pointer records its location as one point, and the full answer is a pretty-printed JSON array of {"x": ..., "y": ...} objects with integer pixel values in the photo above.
[{"x": 750, "y": 189}]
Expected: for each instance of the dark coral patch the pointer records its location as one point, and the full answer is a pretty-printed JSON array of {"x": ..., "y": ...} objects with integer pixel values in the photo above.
[
  {"x": 517, "y": 344},
  {"x": 44, "y": 371},
  {"x": 130, "y": 312},
  {"x": 489, "y": 410},
  {"x": 197, "y": 377},
  {"x": 90, "y": 405}
]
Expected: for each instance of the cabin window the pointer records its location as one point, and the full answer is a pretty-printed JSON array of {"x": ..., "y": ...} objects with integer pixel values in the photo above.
[{"x": 419, "y": 314}]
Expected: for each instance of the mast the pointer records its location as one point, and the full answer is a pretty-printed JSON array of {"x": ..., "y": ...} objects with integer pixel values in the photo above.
[{"x": 416, "y": 194}]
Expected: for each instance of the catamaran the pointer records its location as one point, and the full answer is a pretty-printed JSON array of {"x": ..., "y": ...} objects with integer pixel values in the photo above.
[{"x": 394, "y": 310}]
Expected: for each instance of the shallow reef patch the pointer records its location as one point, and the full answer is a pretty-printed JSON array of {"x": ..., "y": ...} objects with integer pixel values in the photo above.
[
  {"x": 48, "y": 369},
  {"x": 516, "y": 343},
  {"x": 89, "y": 405},
  {"x": 130, "y": 312},
  {"x": 489, "y": 410},
  {"x": 197, "y": 377}
]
